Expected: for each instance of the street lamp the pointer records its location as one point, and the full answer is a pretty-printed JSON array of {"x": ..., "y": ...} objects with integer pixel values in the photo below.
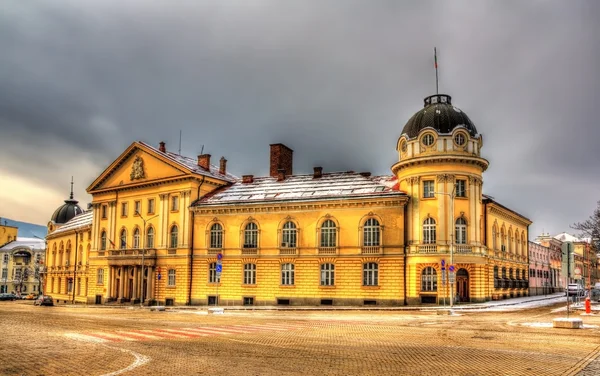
[
  {"x": 143, "y": 252},
  {"x": 452, "y": 195}
]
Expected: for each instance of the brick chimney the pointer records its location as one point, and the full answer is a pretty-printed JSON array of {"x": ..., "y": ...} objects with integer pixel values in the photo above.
[
  {"x": 204, "y": 161},
  {"x": 318, "y": 172},
  {"x": 161, "y": 147},
  {"x": 281, "y": 174},
  {"x": 223, "y": 166},
  {"x": 247, "y": 179},
  {"x": 365, "y": 174},
  {"x": 281, "y": 158}
]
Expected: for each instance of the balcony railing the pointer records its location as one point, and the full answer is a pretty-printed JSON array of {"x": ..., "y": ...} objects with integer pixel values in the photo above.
[
  {"x": 371, "y": 249},
  {"x": 288, "y": 251},
  {"x": 463, "y": 248},
  {"x": 327, "y": 250},
  {"x": 249, "y": 251},
  {"x": 214, "y": 251},
  {"x": 428, "y": 248}
]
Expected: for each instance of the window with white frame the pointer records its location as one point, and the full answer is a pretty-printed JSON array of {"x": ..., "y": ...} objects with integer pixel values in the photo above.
[
  {"x": 429, "y": 235},
  {"x": 212, "y": 273},
  {"x": 175, "y": 203},
  {"x": 100, "y": 276},
  {"x": 371, "y": 233},
  {"x": 460, "y": 231},
  {"x": 171, "y": 279},
  {"x": 428, "y": 188},
  {"x": 5, "y": 258},
  {"x": 150, "y": 206},
  {"x": 249, "y": 274},
  {"x": 174, "y": 237},
  {"x": 4, "y": 273},
  {"x": 103, "y": 241},
  {"x": 123, "y": 244},
  {"x": 289, "y": 235},
  {"x": 287, "y": 274},
  {"x": 136, "y": 238},
  {"x": 150, "y": 237},
  {"x": 461, "y": 188},
  {"x": 216, "y": 236},
  {"x": 370, "y": 274},
  {"x": 327, "y": 274},
  {"x": 251, "y": 235},
  {"x": 429, "y": 279},
  {"x": 328, "y": 234}
]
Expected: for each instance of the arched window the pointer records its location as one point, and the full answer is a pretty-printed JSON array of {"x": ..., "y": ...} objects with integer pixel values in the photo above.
[
  {"x": 510, "y": 241},
  {"x": 429, "y": 279},
  {"x": 504, "y": 272},
  {"x": 494, "y": 238},
  {"x": 502, "y": 240},
  {"x": 461, "y": 231},
  {"x": 251, "y": 235},
  {"x": 328, "y": 234},
  {"x": 429, "y": 236},
  {"x": 371, "y": 233},
  {"x": 216, "y": 236},
  {"x": 80, "y": 256},
  {"x": 173, "y": 242},
  {"x": 517, "y": 243},
  {"x": 150, "y": 237},
  {"x": 103, "y": 241},
  {"x": 289, "y": 235},
  {"x": 136, "y": 238},
  {"x": 123, "y": 239}
]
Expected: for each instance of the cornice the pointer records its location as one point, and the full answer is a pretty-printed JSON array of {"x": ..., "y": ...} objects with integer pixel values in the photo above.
[
  {"x": 440, "y": 158},
  {"x": 508, "y": 215}
]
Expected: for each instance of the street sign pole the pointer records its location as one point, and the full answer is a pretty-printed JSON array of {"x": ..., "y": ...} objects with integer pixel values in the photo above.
[
  {"x": 444, "y": 280},
  {"x": 218, "y": 270}
]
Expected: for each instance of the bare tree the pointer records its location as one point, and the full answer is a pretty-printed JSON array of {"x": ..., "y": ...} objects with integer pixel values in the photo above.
[
  {"x": 22, "y": 274},
  {"x": 591, "y": 227}
]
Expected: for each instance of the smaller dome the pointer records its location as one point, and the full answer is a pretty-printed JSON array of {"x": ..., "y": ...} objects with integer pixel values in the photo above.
[{"x": 66, "y": 211}]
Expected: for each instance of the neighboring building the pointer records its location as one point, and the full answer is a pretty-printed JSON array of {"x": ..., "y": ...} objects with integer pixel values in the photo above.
[
  {"x": 21, "y": 260},
  {"x": 539, "y": 269},
  {"x": 7, "y": 233},
  {"x": 557, "y": 280},
  {"x": 586, "y": 259},
  {"x": 160, "y": 220}
]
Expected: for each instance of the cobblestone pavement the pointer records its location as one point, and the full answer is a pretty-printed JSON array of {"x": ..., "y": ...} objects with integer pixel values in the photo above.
[{"x": 77, "y": 340}]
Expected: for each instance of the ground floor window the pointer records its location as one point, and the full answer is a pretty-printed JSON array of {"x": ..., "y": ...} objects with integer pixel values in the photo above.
[
  {"x": 287, "y": 274},
  {"x": 429, "y": 279},
  {"x": 327, "y": 274},
  {"x": 370, "y": 274}
]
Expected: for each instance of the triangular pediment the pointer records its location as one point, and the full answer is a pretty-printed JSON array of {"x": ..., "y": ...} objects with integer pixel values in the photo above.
[{"x": 138, "y": 165}]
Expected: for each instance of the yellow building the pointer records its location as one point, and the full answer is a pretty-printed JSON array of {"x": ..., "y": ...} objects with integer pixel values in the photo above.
[
  {"x": 168, "y": 229},
  {"x": 7, "y": 233}
]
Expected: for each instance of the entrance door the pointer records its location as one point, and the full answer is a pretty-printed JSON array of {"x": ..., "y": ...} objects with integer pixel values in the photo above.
[{"x": 462, "y": 285}]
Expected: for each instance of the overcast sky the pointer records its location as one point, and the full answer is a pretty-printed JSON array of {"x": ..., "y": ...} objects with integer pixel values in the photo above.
[{"x": 334, "y": 80}]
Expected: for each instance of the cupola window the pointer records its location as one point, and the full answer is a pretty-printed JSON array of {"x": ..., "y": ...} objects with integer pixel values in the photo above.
[
  {"x": 403, "y": 147},
  {"x": 428, "y": 139},
  {"x": 460, "y": 139}
]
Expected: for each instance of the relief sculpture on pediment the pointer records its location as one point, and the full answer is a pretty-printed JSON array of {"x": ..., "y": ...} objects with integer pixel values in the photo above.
[{"x": 137, "y": 169}]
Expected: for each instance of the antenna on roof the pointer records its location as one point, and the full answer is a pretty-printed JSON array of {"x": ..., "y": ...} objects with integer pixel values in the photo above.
[
  {"x": 202, "y": 150},
  {"x": 180, "y": 142},
  {"x": 436, "y": 69},
  {"x": 71, "y": 196}
]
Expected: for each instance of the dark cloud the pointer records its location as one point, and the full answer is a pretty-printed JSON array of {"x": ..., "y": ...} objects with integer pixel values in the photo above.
[{"x": 336, "y": 81}]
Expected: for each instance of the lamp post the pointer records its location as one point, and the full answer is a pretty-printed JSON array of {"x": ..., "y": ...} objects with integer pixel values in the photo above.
[
  {"x": 451, "y": 234},
  {"x": 143, "y": 253}
]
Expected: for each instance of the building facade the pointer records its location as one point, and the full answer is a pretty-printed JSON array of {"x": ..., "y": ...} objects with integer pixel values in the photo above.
[
  {"x": 540, "y": 275},
  {"x": 22, "y": 261},
  {"x": 175, "y": 230}
]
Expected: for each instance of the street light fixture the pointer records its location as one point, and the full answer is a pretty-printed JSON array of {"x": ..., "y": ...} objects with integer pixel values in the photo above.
[
  {"x": 452, "y": 195},
  {"x": 143, "y": 253}
]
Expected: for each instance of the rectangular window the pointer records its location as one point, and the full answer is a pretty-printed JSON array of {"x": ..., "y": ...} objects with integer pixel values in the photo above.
[
  {"x": 171, "y": 281},
  {"x": 4, "y": 273},
  {"x": 18, "y": 274},
  {"x": 428, "y": 188},
  {"x": 327, "y": 275},
  {"x": 461, "y": 188},
  {"x": 138, "y": 208},
  {"x": 103, "y": 211},
  {"x": 175, "y": 203},
  {"x": 248, "y": 300},
  {"x": 100, "y": 275},
  {"x": 249, "y": 274},
  {"x": 212, "y": 273},
  {"x": 370, "y": 274},
  {"x": 5, "y": 258},
  {"x": 287, "y": 274},
  {"x": 150, "y": 206},
  {"x": 123, "y": 209}
]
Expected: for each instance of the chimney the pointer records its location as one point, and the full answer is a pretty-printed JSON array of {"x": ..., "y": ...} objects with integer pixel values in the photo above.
[
  {"x": 281, "y": 158},
  {"x": 365, "y": 174},
  {"x": 223, "y": 166},
  {"x": 281, "y": 174},
  {"x": 204, "y": 161},
  {"x": 247, "y": 179},
  {"x": 162, "y": 147},
  {"x": 318, "y": 172}
]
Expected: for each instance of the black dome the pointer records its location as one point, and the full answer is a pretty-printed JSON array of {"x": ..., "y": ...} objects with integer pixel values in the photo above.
[
  {"x": 440, "y": 114},
  {"x": 66, "y": 211}
]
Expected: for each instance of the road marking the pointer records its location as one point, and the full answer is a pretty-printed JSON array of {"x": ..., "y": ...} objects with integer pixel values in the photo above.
[
  {"x": 83, "y": 337},
  {"x": 140, "y": 360}
]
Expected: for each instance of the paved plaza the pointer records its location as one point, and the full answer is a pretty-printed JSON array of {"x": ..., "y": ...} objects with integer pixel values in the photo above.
[{"x": 512, "y": 337}]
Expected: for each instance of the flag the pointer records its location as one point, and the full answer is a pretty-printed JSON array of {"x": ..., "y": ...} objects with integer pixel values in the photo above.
[{"x": 111, "y": 243}]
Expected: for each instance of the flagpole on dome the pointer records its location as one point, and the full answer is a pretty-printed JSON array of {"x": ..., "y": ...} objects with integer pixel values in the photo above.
[{"x": 437, "y": 91}]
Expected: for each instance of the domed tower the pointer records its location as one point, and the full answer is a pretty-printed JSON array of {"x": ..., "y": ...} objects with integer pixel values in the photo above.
[
  {"x": 65, "y": 212},
  {"x": 440, "y": 167}
]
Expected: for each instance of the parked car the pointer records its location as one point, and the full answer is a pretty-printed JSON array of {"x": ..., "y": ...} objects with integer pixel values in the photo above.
[
  {"x": 31, "y": 296},
  {"x": 8, "y": 296},
  {"x": 575, "y": 289},
  {"x": 45, "y": 300}
]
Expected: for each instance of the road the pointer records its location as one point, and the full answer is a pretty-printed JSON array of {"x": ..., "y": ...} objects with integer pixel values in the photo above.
[{"x": 67, "y": 340}]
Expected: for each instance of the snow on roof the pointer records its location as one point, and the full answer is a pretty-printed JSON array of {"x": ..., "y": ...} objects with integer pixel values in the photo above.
[
  {"x": 305, "y": 188},
  {"x": 192, "y": 164},
  {"x": 565, "y": 237},
  {"x": 82, "y": 220},
  {"x": 33, "y": 243}
]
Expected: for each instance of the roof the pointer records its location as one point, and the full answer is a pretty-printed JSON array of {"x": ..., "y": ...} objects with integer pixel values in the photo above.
[
  {"x": 79, "y": 221},
  {"x": 192, "y": 164},
  {"x": 490, "y": 199},
  {"x": 66, "y": 211},
  {"x": 438, "y": 114},
  {"x": 565, "y": 237},
  {"x": 33, "y": 243},
  {"x": 336, "y": 185}
]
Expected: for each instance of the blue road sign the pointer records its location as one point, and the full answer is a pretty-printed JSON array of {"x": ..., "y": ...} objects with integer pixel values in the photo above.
[
  {"x": 159, "y": 276},
  {"x": 219, "y": 268},
  {"x": 219, "y": 256},
  {"x": 443, "y": 263},
  {"x": 451, "y": 268}
]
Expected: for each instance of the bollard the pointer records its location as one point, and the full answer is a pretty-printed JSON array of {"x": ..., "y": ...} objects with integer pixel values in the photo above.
[{"x": 588, "y": 305}]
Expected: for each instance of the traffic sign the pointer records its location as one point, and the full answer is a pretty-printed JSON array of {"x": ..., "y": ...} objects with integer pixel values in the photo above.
[
  {"x": 451, "y": 268},
  {"x": 159, "y": 276},
  {"x": 219, "y": 268},
  {"x": 443, "y": 277},
  {"x": 443, "y": 263},
  {"x": 452, "y": 277},
  {"x": 219, "y": 256}
]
